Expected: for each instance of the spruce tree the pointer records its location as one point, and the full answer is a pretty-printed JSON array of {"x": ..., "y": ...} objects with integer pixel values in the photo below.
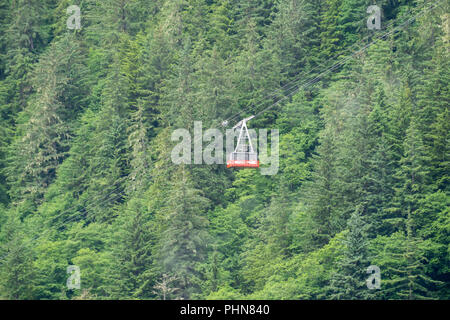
[
  {"x": 294, "y": 35},
  {"x": 17, "y": 274},
  {"x": 132, "y": 270},
  {"x": 349, "y": 279},
  {"x": 404, "y": 265},
  {"x": 320, "y": 192},
  {"x": 434, "y": 100},
  {"x": 184, "y": 240},
  {"x": 43, "y": 143}
]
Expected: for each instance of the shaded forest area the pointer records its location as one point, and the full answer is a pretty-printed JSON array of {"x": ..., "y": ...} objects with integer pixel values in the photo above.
[{"x": 86, "y": 118}]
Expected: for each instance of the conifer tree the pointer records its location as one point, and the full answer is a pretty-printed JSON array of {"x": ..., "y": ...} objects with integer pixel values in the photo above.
[
  {"x": 434, "y": 99},
  {"x": 43, "y": 144},
  {"x": 184, "y": 241},
  {"x": 349, "y": 279},
  {"x": 109, "y": 165},
  {"x": 17, "y": 275},
  {"x": 28, "y": 29},
  {"x": 409, "y": 279},
  {"x": 132, "y": 273},
  {"x": 24, "y": 33},
  {"x": 320, "y": 192},
  {"x": 331, "y": 37},
  {"x": 256, "y": 72},
  {"x": 404, "y": 264},
  {"x": 295, "y": 32}
]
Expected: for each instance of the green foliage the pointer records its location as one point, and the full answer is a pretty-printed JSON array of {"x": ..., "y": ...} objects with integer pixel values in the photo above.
[
  {"x": 17, "y": 272},
  {"x": 42, "y": 142},
  {"x": 183, "y": 243},
  {"x": 132, "y": 243},
  {"x": 349, "y": 279},
  {"x": 86, "y": 176}
]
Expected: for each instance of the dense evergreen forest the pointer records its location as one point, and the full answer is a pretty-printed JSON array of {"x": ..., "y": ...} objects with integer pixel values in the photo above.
[{"x": 86, "y": 178}]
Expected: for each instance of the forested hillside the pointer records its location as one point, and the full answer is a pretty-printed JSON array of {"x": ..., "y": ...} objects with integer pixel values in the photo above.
[{"x": 86, "y": 177}]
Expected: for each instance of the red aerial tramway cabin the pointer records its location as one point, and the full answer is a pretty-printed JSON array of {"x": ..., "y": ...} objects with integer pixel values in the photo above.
[{"x": 244, "y": 155}]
